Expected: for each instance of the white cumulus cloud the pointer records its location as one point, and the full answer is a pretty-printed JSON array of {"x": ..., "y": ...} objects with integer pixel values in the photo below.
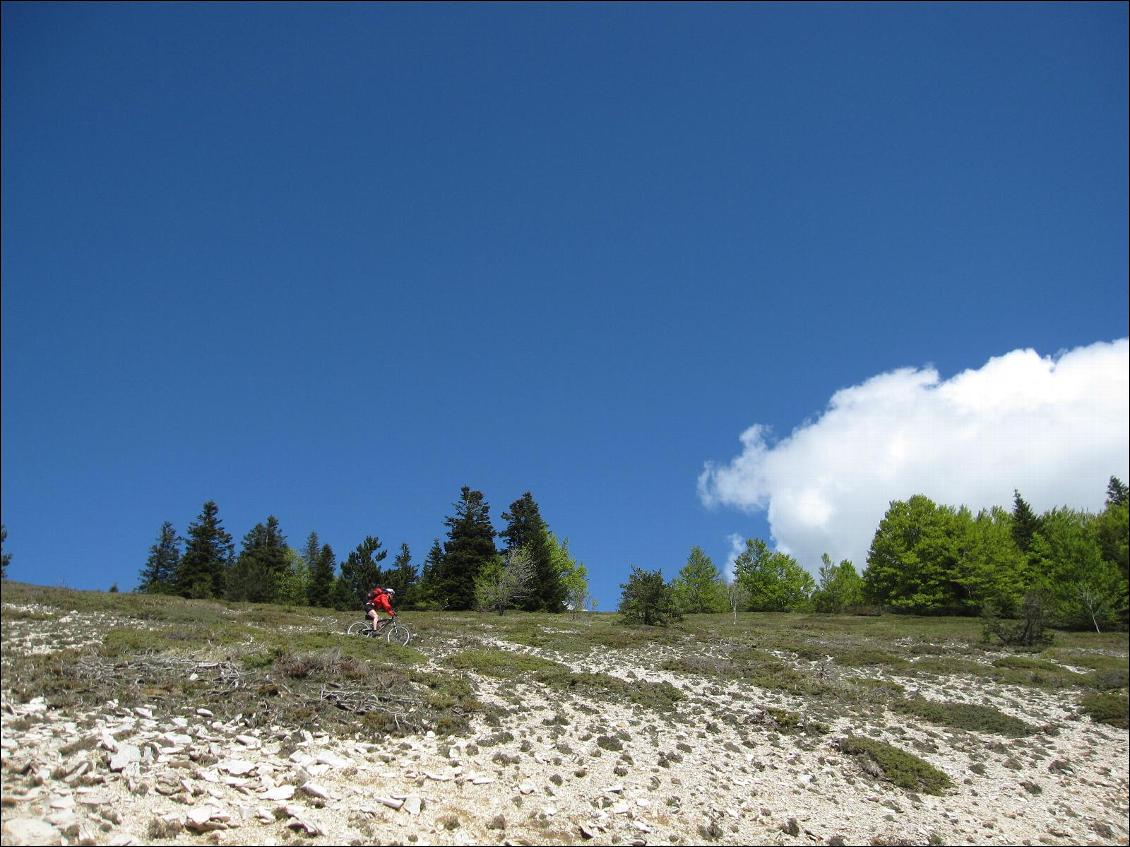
[{"x": 1054, "y": 427}]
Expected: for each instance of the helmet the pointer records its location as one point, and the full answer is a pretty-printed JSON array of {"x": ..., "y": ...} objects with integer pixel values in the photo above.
[{"x": 390, "y": 591}]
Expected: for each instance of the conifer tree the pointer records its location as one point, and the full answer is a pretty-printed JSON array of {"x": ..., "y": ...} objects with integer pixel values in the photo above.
[
  {"x": 257, "y": 574},
  {"x": 208, "y": 552},
  {"x": 424, "y": 595},
  {"x": 526, "y": 530},
  {"x": 312, "y": 551},
  {"x": 320, "y": 590},
  {"x": 698, "y": 587},
  {"x": 159, "y": 573},
  {"x": 5, "y": 558},
  {"x": 1025, "y": 522},
  {"x": 646, "y": 599},
  {"x": 342, "y": 596},
  {"x": 1116, "y": 492},
  {"x": 469, "y": 546},
  {"x": 402, "y": 576},
  {"x": 361, "y": 570}
]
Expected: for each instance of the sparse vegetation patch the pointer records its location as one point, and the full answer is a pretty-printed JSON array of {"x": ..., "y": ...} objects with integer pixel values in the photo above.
[
  {"x": 968, "y": 716},
  {"x": 895, "y": 766}
]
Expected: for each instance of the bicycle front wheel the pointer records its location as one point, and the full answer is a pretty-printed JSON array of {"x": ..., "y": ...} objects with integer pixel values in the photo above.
[{"x": 399, "y": 634}]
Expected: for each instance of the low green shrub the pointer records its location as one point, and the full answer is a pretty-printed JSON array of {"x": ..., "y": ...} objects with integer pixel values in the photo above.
[
  {"x": 968, "y": 716},
  {"x": 896, "y": 766},
  {"x": 1111, "y": 709}
]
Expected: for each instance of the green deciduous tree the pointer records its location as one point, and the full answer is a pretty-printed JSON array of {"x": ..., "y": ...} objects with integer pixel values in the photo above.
[
  {"x": 1086, "y": 589},
  {"x": 469, "y": 546},
  {"x": 699, "y": 588},
  {"x": 294, "y": 585},
  {"x": 573, "y": 575},
  {"x": 646, "y": 599},
  {"x": 208, "y": 552},
  {"x": 775, "y": 581},
  {"x": 1112, "y": 531},
  {"x": 839, "y": 587},
  {"x": 989, "y": 566},
  {"x": 911, "y": 565},
  {"x": 505, "y": 581},
  {"x": 160, "y": 571}
]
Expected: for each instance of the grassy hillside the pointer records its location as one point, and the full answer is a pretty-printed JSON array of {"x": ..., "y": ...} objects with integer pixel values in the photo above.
[{"x": 295, "y": 665}]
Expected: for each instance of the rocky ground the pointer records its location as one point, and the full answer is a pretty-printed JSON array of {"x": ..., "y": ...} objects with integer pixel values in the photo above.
[{"x": 557, "y": 769}]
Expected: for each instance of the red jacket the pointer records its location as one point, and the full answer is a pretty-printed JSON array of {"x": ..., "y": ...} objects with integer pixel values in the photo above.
[{"x": 379, "y": 600}]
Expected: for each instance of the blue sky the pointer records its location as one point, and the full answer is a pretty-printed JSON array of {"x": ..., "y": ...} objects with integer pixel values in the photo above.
[{"x": 333, "y": 262}]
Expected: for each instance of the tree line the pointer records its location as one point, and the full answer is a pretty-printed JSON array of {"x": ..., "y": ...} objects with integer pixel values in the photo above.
[
  {"x": 925, "y": 558},
  {"x": 533, "y": 570}
]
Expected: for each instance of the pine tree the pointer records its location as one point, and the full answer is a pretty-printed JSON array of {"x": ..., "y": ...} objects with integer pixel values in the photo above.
[
  {"x": 424, "y": 596},
  {"x": 159, "y": 573},
  {"x": 258, "y": 573},
  {"x": 402, "y": 577},
  {"x": 1116, "y": 492},
  {"x": 312, "y": 551},
  {"x": 5, "y": 558},
  {"x": 342, "y": 596},
  {"x": 469, "y": 546},
  {"x": 320, "y": 590},
  {"x": 646, "y": 599},
  {"x": 208, "y": 551},
  {"x": 526, "y": 530},
  {"x": 1025, "y": 523},
  {"x": 361, "y": 570}
]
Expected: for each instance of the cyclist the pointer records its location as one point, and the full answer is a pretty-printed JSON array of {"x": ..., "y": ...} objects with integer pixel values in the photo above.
[{"x": 379, "y": 599}]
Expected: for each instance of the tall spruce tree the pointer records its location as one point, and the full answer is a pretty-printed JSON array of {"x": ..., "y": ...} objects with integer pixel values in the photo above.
[
  {"x": 320, "y": 590},
  {"x": 262, "y": 565},
  {"x": 469, "y": 546},
  {"x": 160, "y": 571},
  {"x": 361, "y": 570},
  {"x": 312, "y": 550},
  {"x": 5, "y": 558},
  {"x": 424, "y": 595},
  {"x": 1116, "y": 492},
  {"x": 526, "y": 530},
  {"x": 208, "y": 552},
  {"x": 1025, "y": 522},
  {"x": 402, "y": 576}
]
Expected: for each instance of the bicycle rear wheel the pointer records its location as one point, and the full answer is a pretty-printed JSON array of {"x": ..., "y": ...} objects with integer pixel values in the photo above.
[
  {"x": 357, "y": 628},
  {"x": 399, "y": 634}
]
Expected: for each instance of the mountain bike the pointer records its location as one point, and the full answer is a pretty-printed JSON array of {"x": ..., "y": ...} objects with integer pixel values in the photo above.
[{"x": 390, "y": 629}]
